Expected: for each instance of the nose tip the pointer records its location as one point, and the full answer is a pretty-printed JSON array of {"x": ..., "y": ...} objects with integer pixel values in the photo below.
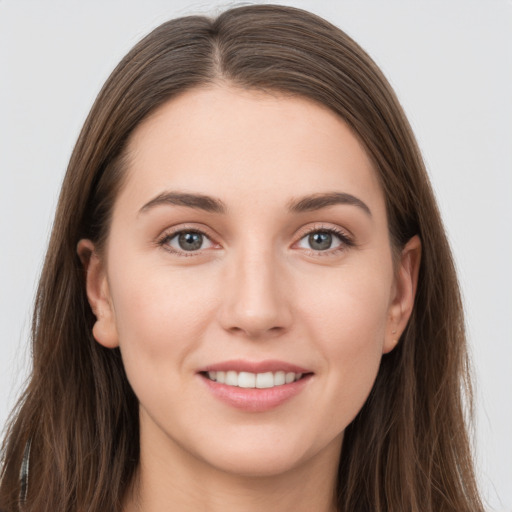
[
  {"x": 255, "y": 327},
  {"x": 255, "y": 302}
]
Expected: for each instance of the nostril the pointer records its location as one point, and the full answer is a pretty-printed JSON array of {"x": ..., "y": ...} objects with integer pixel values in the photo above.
[{"x": 255, "y": 310}]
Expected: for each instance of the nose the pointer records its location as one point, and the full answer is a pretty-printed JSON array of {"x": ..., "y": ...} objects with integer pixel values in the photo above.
[{"x": 256, "y": 303}]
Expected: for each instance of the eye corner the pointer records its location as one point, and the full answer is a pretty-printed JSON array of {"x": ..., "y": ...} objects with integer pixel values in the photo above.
[
  {"x": 330, "y": 240},
  {"x": 186, "y": 241}
]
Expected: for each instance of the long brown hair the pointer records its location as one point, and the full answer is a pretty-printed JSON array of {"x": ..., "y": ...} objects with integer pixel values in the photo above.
[{"x": 408, "y": 448}]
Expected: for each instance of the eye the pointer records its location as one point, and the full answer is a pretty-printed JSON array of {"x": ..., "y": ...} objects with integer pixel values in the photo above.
[
  {"x": 324, "y": 240},
  {"x": 188, "y": 241}
]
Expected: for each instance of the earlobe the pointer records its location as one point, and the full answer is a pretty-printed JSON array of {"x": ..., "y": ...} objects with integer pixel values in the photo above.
[
  {"x": 404, "y": 293},
  {"x": 98, "y": 294}
]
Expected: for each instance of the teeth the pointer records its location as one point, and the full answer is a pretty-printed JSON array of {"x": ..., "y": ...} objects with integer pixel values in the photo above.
[
  {"x": 254, "y": 380},
  {"x": 289, "y": 377},
  {"x": 279, "y": 378},
  {"x": 265, "y": 380},
  {"x": 231, "y": 378},
  {"x": 246, "y": 380}
]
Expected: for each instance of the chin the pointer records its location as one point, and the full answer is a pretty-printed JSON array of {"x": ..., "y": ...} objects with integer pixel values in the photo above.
[
  {"x": 257, "y": 464},
  {"x": 270, "y": 457}
]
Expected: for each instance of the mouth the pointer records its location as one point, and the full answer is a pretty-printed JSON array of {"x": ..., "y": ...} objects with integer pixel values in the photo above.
[
  {"x": 255, "y": 386},
  {"x": 249, "y": 380}
]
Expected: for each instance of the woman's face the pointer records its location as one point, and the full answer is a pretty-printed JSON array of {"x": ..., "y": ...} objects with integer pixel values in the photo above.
[{"x": 250, "y": 241}]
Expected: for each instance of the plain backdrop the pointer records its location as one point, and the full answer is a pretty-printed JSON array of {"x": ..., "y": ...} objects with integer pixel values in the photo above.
[{"x": 450, "y": 62}]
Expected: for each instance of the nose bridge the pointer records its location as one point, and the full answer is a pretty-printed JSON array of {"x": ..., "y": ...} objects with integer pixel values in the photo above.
[{"x": 255, "y": 301}]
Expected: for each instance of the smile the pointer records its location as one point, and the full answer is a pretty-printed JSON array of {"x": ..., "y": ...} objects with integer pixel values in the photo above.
[
  {"x": 255, "y": 386},
  {"x": 254, "y": 380}
]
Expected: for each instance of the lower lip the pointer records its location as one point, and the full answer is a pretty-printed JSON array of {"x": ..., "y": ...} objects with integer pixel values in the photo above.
[{"x": 255, "y": 399}]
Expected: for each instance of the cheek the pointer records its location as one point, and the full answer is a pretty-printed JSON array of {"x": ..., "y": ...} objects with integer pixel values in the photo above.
[
  {"x": 350, "y": 305},
  {"x": 159, "y": 314},
  {"x": 349, "y": 323}
]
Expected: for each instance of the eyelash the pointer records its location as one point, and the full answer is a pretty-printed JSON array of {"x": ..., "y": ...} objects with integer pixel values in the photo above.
[
  {"x": 164, "y": 240},
  {"x": 345, "y": 239}
]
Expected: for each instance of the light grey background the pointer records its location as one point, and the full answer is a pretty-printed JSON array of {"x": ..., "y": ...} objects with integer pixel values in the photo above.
[{"x": 451, "y": 65}]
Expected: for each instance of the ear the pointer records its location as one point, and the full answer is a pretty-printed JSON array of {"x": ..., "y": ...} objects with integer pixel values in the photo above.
[
  {"x": 98, "y": 293},
  {"x": 402, "y": 303}
]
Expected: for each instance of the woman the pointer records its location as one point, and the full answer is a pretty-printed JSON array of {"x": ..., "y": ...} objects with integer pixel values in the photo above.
[{"x": 248, "y": 300}]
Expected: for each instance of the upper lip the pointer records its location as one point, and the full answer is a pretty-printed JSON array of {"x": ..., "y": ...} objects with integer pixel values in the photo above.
[{"x": 240, "y": 365}]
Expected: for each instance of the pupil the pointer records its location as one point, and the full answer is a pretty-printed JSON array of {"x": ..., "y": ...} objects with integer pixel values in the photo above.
[
  {"x": 320, "y": 241},
  {"x": 190, "y": 241}
]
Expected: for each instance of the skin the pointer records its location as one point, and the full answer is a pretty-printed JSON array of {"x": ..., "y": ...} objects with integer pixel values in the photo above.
[{"x": 255, "y": 290}]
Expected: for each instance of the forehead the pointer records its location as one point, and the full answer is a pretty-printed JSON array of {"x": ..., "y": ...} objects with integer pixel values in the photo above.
[{"x": 234, "y": 144}]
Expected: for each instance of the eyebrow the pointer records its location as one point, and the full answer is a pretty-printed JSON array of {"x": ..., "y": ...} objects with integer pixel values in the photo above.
[
  {"x": 318, "y": 201},
  {"x": 196, "y": 201},
  {"x": 210, "y": 204}
]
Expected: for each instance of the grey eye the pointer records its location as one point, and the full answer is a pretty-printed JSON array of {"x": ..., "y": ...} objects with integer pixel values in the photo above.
[
  {"x": 320, "y": 241},
  {"x": 189, "y": 241}
]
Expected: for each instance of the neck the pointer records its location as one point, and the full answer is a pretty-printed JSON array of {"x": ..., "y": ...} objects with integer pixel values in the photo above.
[{"x": 178, "y": 481}]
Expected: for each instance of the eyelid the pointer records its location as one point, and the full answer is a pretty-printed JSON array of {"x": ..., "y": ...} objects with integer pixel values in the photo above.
[
  {"x": 172, "y": 232},
  {"x": 346, "y": 238}
]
